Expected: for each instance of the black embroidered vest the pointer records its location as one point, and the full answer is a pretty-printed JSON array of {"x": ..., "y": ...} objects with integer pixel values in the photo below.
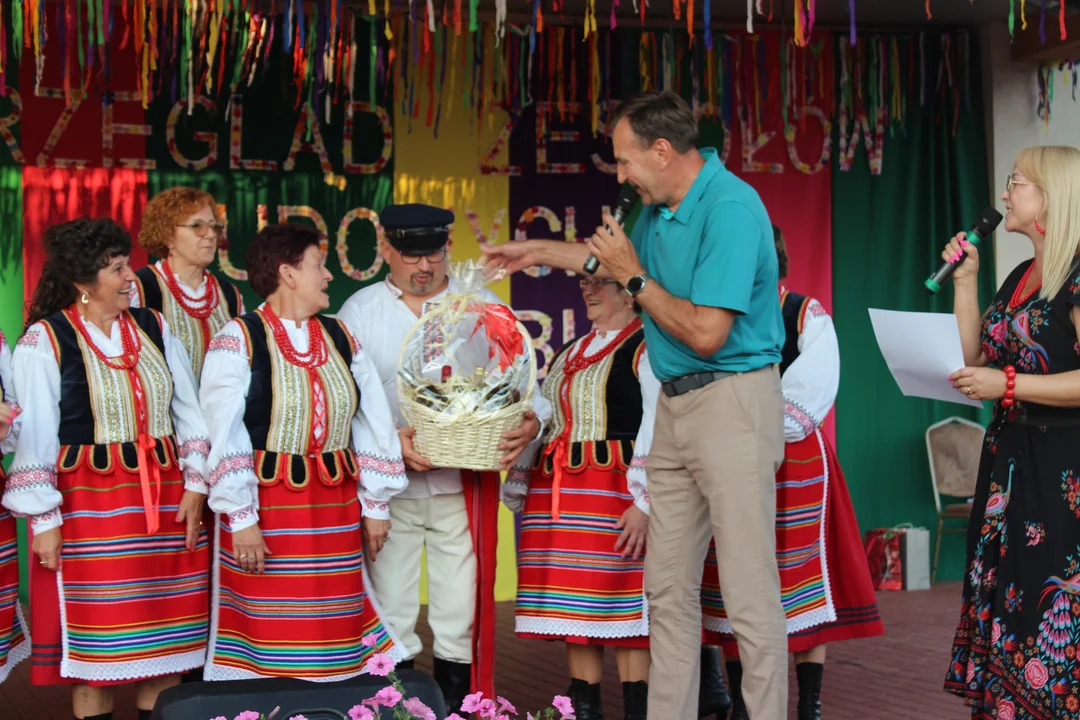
[
  {"x": 793, "y": 308},
  {"x": 77, "y": 429},
  {"x": 622, "y": 403},
  {"x": 272, "y": 467}
]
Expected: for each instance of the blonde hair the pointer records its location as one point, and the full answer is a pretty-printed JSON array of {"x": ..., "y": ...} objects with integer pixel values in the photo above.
[{"x": 1055, "y": 169}]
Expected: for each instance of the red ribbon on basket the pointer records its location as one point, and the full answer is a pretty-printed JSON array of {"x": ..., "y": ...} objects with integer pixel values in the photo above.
[{"x": 500, "y": 325}]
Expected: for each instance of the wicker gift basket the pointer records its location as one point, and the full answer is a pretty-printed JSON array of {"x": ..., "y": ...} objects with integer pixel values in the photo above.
[{"x": 466, "y": 375}]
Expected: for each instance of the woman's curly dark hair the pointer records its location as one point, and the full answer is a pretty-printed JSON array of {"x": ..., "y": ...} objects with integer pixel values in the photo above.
[
  {"x": 75, "y": 252},
  {"x": 274, "y": 246}
]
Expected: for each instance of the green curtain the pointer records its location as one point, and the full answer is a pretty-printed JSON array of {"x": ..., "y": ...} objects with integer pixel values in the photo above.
[
  {"x": 888, "y": 233},
  {"x": 11, "y": 292}
]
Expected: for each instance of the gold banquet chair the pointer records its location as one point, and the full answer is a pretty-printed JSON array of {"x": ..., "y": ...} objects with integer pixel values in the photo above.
[{"x": 954, "y": 447}]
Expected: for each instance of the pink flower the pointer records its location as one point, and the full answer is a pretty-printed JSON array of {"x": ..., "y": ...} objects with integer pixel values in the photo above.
[
  {"x": 298, "y": 717},
  {"x": 418, "y": 709},
  {"x": 369, "y": 640},
  {"x": 505, "y": 706},
  {"x": 971, "y": 671},
  {"x": 486, "y": 708},
  {"x": 454, "y": 716},
  {"x": 471, "y": 703},
  {"x": 359, "y": 712},
  {"x": 564, "y": 706},
  {"x": 380, "y": 664},
  {"x": 220, "y": 717},
  {"x": 1036, "y": 673},
  {"x": 1006, "y": 710},
  {"x": 502, "y": 717},
  {"x": 528, "y": 716},
  {"x": 387, "y": 697},
  {"x": 997, "y": 331},
  {"x": 995, "y": 634},
  {"x": 248, "y": 715}
]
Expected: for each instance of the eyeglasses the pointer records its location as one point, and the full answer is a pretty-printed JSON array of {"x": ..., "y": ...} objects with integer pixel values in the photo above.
[
  {"x": 595, "y": 283},
  {"x": 433, "y": 257},
  {"x": 202, "y": 227},
  {"x": 1010, "y": 183}
]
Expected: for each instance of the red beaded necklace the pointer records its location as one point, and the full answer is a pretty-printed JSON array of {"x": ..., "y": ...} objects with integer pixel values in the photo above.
[
  {"x": 316, "y": 353},
  {"x": 196, "y": 307},
  {"x": 580, "y": 361},
  {"x": 129, "y": 340},
  {"x": 1019, "y": 297}
]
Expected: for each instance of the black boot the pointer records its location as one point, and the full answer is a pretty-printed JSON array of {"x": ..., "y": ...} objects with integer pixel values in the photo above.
[
  {"x": 713, "y": 698},
  {"x": 635, "y": 700},
  {"x": 102, "y": 716},
  {"x": 145, "y": 714},
  {"x": 454, "y": 680},
  {"x": 809, "y": 675},
  {"x": 586, "y": 700},
  {"x": 738, "y": 705}
]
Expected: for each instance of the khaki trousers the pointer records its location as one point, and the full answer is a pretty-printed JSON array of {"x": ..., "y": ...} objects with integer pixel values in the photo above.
[
  {"x": 714, "y": 456},
  {"x": 441, "y": 525}
]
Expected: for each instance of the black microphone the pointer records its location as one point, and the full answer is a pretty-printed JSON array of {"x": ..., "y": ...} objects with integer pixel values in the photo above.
[
  {"x": 982, "y": 228},
  {"x": 628, "y": 198}
]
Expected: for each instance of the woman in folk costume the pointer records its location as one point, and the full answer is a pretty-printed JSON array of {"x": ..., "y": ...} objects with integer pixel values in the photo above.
[
  {"x": 1016, "y": 651},
  {"x": 825, "y": 584},
  {"x": 304, "y": 452},
  {"x": 182, "y": 227},
  {"x": 110, "y": 470},
  {"x": 586, "y": 506},
  {"x": 14, "y": 641}
]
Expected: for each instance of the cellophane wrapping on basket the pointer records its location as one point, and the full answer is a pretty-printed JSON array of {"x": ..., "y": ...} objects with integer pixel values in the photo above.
[{"x": 468, "y": 356}]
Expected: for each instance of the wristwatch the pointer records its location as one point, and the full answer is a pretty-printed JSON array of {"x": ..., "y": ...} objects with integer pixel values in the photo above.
[{"x": 636, "y": 284}]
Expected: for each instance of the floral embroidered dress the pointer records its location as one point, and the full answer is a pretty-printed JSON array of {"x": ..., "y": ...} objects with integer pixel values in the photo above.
[{"x": 1015, "y": 652}]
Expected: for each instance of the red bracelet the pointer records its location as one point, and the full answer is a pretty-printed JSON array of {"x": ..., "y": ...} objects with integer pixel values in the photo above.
[{"x": 1010, "y": 387}]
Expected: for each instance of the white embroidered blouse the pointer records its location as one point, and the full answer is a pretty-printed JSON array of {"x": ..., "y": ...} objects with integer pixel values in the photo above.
[
  {"x": 234, "y": 488},
  {"x": 31, "y": 488},
  {"x": 810, "y": 383}
]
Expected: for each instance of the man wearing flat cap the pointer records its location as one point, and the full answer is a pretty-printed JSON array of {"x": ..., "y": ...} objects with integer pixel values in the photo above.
[{"x": 451, "y": 512}]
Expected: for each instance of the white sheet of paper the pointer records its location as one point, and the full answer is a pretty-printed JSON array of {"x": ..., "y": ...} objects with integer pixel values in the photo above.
[{"x": 921, "y": 350}]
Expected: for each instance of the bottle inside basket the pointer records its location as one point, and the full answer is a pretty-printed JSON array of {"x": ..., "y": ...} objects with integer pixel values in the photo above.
[
  {"x": 478, "y": 377},
  {"x": 430, "y": 396}
]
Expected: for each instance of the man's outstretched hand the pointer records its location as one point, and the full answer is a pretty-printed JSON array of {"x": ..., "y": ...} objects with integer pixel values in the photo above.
[{"x": 509, "y": 257}]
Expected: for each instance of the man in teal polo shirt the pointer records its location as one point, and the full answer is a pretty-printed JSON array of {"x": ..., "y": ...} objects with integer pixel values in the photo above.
[{"x": 702, "y": 265}]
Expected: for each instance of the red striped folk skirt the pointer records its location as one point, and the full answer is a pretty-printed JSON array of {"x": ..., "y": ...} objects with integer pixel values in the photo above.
[
  {"x": 828, "y": 595},
  {"x": 572, "y": 584},
  {"x": 306, "y": 615},
  {"x": 14, "y": 645},
  {"x": 134, "y": 605}
]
